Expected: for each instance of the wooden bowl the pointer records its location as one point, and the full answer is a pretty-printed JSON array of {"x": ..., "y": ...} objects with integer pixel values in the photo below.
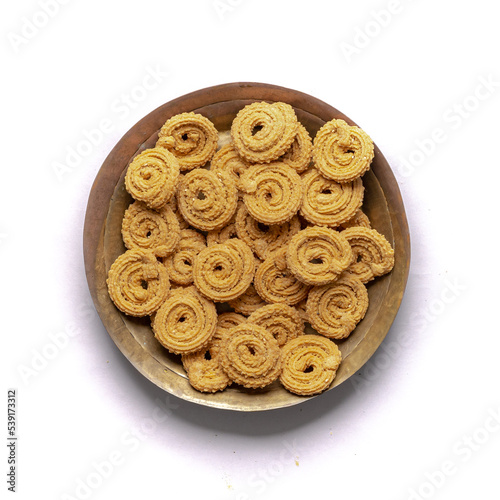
[{"x": 102, "y": 243}]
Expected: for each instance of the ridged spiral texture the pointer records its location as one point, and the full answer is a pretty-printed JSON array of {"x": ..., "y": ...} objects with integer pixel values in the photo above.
[
  {"x": 137, "y": 283},
  {"x": 191, "y": 138},
  {"x": 335, "y": 310},
  {"x": 248, "y": 302},
  {"x": 229, "y": 161},
  {"x": 341, "y": 152},
  {"x": 317, "y": 255},
  {"x": 359, "y": 219},
  {"x": 185, "y": 322},
  {"x": 299, "y": 154},
  {"x": 309, "y": 364},
  {"x": 152, "y": 176},
  {"x": 262, "y": 132},
  {"x": 329, "y": 203}
]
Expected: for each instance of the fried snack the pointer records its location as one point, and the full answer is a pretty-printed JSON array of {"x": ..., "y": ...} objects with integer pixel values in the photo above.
[
  {"x": 229, "y": 161},
  {"x": 261, "y": 238},
  {"x": 342, "y": 153},
  {"x": 173, "y": 205},
  {"x": 309, "y": 364},
  {"x": 335, "y": 310},
  {"x": 250, "y": 355},
  {"x": 207, "y": 200},
  {"x": 151, "y": 177},
  {"x": 298, "y": 156},
  {"x": 248, "y": 302},
  {"x": 276, "y": 284},
  {"x": 224, "y": 233},
  {"x": 229, "y": 320},
  {"x": 191, "y": 138},
  {"x": 262, "y": 132},
  {"x": 203, "y": 367},
  {"x": 329, "y": 203},
  {"x": 317, "y": 255},
  {"x": 223, "y": 272},
  {"x": 282, "y": 321},
  {"x": 359, "y": 219},
  {"x": 180, "y": 264},
  {"x": 185, "y": 322},
  {"x": 273, "y": 192},
  {"x": 137, "y": 283},
  {"x": 301, "y": 309},
  {"x": 373, "y": 254},
  {"x": 153, "y": 230}
]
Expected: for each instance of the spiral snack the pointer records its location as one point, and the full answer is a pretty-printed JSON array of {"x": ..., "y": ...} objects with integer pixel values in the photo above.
[
  {"x": 250, "y": 355},
  {"x": 225, "y": 233},
  {"x": 157, "y": 231},
  {"x": 248, "y": 302},
  {"x": 173, "y": 205},
  {"x": 309, "y": 364},
  {"x": 275, "y": 283},
  {"x": 262, "y": 132},
  {"x": 342, "y": 153},
  {"x": 273, "y": 192},
  {"x": 185, "y": 322},
  {"x": 328, "y": 203},
  {"x": 298, "y": 156},
  {"x": 373, "y": 254},
  {"x": 151, "y": 177},
  {"x": 207, "y": 200},
  {"x": 261, "y": 238},
  {"x": 301, "y": 309},
  {"x": 228, "y": 160},
  {"x": 191, "y": 138},
  {"x": 223, "y": 272},
  {"x": 282, "y": 321},
  {"x": 359, "y": 219},
  {"x": 203, "y": 367},
  {"x": 335, "y": 310},
  {"x": 137, "y": 283},
  {"x": 317, "y": 255},
  {"x": 180, "y": 264},
  {"x": 229, "y": 320}
]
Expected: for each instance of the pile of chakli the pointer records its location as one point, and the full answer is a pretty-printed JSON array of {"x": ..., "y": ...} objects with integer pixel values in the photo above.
[{"x": 270, "y": 224}]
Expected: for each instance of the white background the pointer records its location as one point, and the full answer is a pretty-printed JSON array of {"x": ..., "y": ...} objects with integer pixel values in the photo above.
[{"x": 420, "y": 421}]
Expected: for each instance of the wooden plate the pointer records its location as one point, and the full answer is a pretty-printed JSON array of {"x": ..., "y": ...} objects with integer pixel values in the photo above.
[{"x": 102, "y": 244}]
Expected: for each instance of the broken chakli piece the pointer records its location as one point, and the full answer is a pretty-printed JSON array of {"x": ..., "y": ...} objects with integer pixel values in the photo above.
[{"x": 271, "y": 225}]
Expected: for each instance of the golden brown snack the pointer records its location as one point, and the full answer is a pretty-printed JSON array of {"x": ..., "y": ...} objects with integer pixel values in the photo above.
[
  {"x": 373, "y": 254},
  {"x": 248, "y": 302},
  {"x": 261, "y": 238},
  {"x": 190, "y": 137},
  {"x": 185, "y": 322},
  {"x": 180, "y": 264},
  {"x": 229, "y": 320},
  {"x": 152, "y": 176},
  {"x": 224, "y": 233},
  {"x": 342, "y": 153},
  {"x": 223, "y": 272},
  {"x": 317, "y": 255},
  {"x": 250, "y": 355},
  {"x": 203, "y": 367},
  {"x": 301, "y": 309},
  {"x": 207, "y": 200},
  {"x": 282, "y": 321},
  {"x": 359, "y": 219},
  {"x": 299, "y": 154},
  {"x": 309, "y": 364},
  {"x": 229, "y": 161},
  {"x": 137, "y": 283},
  {"x": 329, "y": 203},
  {"x": 148, "y": 229},
  {"x": 273, "y": 192},
  {"x": 335, "y": 310},
  {"x": 173, "y": 205},
  {"x": 262, "y": 132},
  {"x": 276, "y": 284}
]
